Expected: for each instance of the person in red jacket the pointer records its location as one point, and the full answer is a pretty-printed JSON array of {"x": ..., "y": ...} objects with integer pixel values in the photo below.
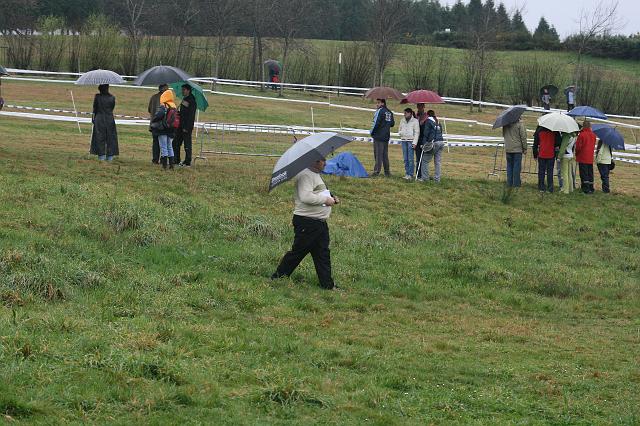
[
  {"x": 585, "y": 148},
  {"x": 545, "y": 147}
]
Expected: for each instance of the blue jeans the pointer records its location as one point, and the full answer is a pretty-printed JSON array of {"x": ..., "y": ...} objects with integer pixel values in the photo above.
[
  {"x": 407, "y": 155},
  {"x": 166, "y": 147},
  {"x": 514, "y": 168}
]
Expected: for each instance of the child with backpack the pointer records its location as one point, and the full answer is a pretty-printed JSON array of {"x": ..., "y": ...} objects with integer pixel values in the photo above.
[{"x": 164, "y": 125}]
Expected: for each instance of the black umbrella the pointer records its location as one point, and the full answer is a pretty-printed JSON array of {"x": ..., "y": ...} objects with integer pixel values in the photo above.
[
  {"x": 510, "y": 116},
  {"x": 161, "y": 75},
  {"x": 553, "y": 90},
  {"x": 304, "y": 153}
]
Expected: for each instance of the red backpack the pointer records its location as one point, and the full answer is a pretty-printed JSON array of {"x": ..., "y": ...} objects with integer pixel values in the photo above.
[{"x": 171, "y": 119}]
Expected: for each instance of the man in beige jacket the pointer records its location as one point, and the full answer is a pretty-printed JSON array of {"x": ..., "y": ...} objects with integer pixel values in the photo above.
[
  {"x": 312, "y": 209},
  {"x": 515, "y": 145}
]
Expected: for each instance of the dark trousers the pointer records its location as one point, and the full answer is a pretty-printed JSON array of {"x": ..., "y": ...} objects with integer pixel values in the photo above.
[
  {"x": 545, "y": 169},
  {"x": 182, "y": 137},
  {"x": 381, "y": 157},
  {"x": 586, "y": 178},
  {"x": 514, "y": 168},
  {"x": 604, "y": 175},
  {"x": 155, "y": 150},
  {"x": 419, "y": 161},
  {"x": 311, "y": 236}
]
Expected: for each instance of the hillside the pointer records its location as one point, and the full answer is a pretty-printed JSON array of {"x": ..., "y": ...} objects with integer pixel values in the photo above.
[{"x": 132, "y": 295}]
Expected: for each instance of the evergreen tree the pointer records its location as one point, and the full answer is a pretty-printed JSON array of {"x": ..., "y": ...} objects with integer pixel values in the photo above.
[
  {"x": 519, "y": 37},
  {"x": 545, "y": 36}
]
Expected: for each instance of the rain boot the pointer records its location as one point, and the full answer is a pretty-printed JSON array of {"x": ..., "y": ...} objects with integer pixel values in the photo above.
[
  {"x": 171, "y": 162},
  {"x": 163, "y": 161}
]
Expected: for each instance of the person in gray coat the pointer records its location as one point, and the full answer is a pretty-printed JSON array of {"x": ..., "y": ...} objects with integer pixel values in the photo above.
[
  {"x": 432, "y": 147},
  {"x": 104, "y": 137}
]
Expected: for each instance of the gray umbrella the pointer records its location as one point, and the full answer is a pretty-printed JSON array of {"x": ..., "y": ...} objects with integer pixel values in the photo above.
[
  {"x": 98, "y": 77},
  {"x": 510, "y": 116},
  {"x": 304, "y": 153},
  {"x": 161, "y": 74}
]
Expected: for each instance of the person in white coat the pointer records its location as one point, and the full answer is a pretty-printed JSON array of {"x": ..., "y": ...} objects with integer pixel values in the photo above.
[{"x": 409, "y": 136}]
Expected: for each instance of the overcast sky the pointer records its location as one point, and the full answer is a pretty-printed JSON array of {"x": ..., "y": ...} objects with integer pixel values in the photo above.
[{"x": 563, "y": 14}]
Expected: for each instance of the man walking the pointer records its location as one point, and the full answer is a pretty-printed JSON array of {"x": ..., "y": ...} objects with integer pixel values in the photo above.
[
  {"x": 154, "y": 103},
  {"x": 585, "y": 148},
  {"x": 312, "y": 209},
  {"x": 187, "y": 120},
  {"x": 515, "y": 146},
  {"x": 383, "y": 121}
]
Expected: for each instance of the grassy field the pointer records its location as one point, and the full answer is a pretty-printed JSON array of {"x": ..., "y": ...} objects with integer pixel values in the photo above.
[{"x": 132, "y": 295}]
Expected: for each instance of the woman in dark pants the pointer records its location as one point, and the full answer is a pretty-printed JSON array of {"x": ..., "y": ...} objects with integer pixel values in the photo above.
[{"x": 104, "y": 138}]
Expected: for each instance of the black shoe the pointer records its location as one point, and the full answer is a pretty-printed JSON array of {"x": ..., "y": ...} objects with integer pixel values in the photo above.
[
  {"x": 171, "y": 162},
  {"x": 163, "y": 161}
]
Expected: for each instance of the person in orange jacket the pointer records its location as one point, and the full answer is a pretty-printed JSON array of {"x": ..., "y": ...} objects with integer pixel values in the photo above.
[{"x": 585, "y": 148}]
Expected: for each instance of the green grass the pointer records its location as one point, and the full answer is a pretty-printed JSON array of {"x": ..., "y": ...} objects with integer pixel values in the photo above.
[{"x": 129, "y": 295}]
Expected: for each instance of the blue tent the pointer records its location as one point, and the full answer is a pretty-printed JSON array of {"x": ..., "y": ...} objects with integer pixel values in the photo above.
[{"x": 345, "y": 164}]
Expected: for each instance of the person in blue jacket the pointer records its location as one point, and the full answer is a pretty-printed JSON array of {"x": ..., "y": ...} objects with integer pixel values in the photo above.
[
  {"x": 432, "y": 147},
  {"x": 383, "y": 121}
]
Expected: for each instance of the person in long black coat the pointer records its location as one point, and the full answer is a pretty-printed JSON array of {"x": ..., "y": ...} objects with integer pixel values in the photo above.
[{"x": 104, "y": 139}]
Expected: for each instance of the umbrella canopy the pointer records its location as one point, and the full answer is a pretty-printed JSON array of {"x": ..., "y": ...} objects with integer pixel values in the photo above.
[
  {"x": 422, "y": 97},
  {"x": 196, "y": 91},
  {"x": 304, "y": 153},
  {"x": 509, "y": 116},
  {"x": 553, "y": 90},
  {"x": 609, "y": 135},
  {"x": 98, "y": 77},
  {"x": 566, "y": 89},
  {"x": 3, "y": 70},
  {"x": 161, "y": 75},
  {"x": 383, "y": 93},
  {"x": 587, "y": 111},
  {"x": 273, "y": 65},
  {"x": 557, "y": 122}
]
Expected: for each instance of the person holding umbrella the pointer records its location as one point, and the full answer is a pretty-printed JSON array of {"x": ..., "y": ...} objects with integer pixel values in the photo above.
[
  {"x": 545, "y": 143},
  {"x": 546, "y": 99},
  {"x": 104, "y": 137},
  {"x": 422, "y": 118},
  {"x": 154, "y": 104},
  {"x": 515, "y": 147},
  {"x": 570, "y": 93},
  {"x": 184, "y": 133},
  {"x": 432, "y": 147},
  {"x": 585, "y": 146},
  {"x": 163, "y": 127},
  {"x": 383, "y": 121},
  {"x": 409, "y": 135},
  {"x": 604, "y": 160},
  {"x": 304, "y": 162}
]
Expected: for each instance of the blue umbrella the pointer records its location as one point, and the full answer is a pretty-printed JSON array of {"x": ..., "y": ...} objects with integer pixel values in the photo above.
[
  {"x": 609, "y": 135},
  {"x": 587, "y": 111}
]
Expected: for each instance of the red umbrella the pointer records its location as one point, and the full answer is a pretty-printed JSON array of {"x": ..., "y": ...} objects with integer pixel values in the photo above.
[
  {"x": 383, "y": 93},
  {"x": 423, "y": 97}
]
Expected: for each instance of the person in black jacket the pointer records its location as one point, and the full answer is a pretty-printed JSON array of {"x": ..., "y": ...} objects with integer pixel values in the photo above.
[
  {"x": 187, "y": 120},
  {"x": 383, "y": 121},
  {"x": 104, "y": 136}
]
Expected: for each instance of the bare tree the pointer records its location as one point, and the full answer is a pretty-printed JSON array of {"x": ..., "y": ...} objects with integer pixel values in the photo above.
[
  {"x": 387, "y": 19},
  {"x": 259, "y": 15},
  {"x": 222, "y": 15},
  {"x": 184, "y": 14},
  {"x": 601, "y": 20},
  {"x": 133, "y": 16},
  {"x": 291, "y": 16}
]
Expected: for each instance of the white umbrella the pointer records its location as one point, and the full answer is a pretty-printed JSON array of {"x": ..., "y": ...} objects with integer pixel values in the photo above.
[
  {"x": 304, "y": 153},
  {"x": 98, "y": 77},
  {"x": 557, "y": 122}
]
